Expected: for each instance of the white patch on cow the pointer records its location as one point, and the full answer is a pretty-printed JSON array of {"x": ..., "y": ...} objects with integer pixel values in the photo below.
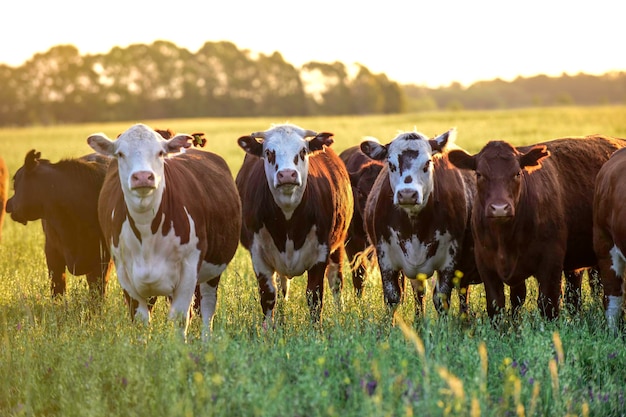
[
  {"x": 617, "y": 261},
  {"x": 614, "y": 311},
  {"x": 413, "y": 260},
  {"x": 285, "y": 144},
  {"x": 412, "y": 179},
  {"x": 266, "y": 257},
  {"x": 158, "y": 265}
]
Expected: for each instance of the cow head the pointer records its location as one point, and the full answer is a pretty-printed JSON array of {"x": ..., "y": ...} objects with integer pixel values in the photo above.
[
  {"x": 140, "y": 152},
  {"x": 500, "y": 169},
  {"x": 410, "y": 166},
  {"x": 285, "y": 151},
  {"x": 362, "y": 182},
  {"x": 27, "y": 202}
]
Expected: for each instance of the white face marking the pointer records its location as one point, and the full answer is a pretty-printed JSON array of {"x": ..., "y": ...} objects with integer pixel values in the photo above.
[
  {"x": 267, "y": 259},
  {"x": 410, "y": 171},
  {"x": 158, "y": 264},
  {"x": 413, "y": 260},
  {"x": 286, "y": 159}
]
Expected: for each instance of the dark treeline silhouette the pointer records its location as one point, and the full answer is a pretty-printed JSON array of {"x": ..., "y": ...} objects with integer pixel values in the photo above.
[{"x": 162, "y": 80}]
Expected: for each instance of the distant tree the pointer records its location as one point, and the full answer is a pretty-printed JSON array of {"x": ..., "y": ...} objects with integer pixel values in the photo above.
[
  {"x": 367, "y": 93},
  {"x": 327, "y": 86}
]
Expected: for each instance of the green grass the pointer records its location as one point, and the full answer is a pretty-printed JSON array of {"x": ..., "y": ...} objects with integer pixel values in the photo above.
[{"x": 59, "y": 358}]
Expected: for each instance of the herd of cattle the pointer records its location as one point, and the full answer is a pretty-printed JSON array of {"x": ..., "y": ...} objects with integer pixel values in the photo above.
[{"x": 170, "y": 218}]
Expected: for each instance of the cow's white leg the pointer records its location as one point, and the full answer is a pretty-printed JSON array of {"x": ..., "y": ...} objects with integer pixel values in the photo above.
[
  {"x": 284, "y": 286},
  {"x": 143, "y": 312},
  {"x": 181, "y": 303},
  {"x": 208, "y": 306}
]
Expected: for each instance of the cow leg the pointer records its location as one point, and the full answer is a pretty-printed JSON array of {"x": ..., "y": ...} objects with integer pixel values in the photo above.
[
  {"x": 517, "y": 297},
  {"x": 267, "y": 293},
  {"x": 56, "y": 270},
  {"x": 284, "y": 285},
  {"x": 208, "y": 292},
  {"x": 392, "y": 290},
  {"x": 315, "y": 290},
  {"x": 334, "y": 275},
  {"x": 98, "y": 279},
  {"x": 573, "y": 285},
  {"x": 549, "y": 291},
  {"x": 443, "y": 290},
  {"x": 419, "y": 286},
  {"x": 612, "y": 266},
  {"x": 358, "y": 279},
  {"x": 494, "y": 292},
  {"x": 182, "y": 299}
]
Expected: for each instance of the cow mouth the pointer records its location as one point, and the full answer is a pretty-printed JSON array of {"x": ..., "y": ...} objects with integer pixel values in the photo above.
[
  {"x": 144, "y": 191},
  {"x": 287, "y": 186},
  {"x": 18, "y": 219}
]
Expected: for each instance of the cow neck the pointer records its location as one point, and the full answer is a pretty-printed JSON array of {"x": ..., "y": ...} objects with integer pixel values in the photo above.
[{"x": 142, "y": 214}]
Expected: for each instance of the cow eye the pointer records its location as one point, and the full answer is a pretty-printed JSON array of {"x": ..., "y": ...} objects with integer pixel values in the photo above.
[
  {"x": 392, "y": 167},
  {"x": 161, "y": 154},
  {"x": 478, "y": 175},
  {"x": 518, "y": 175},
  {"x": 120, "y": 154},
  {"x": 426, "y": 166}
]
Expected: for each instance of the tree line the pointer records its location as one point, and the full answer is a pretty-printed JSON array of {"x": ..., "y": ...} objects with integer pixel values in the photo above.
[{"x": 162, "y": 80}]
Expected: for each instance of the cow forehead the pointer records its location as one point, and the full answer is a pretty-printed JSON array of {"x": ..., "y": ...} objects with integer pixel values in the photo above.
[
  {"x": 139, "y": 137},
  {"x": 410, "y": 146},
  {"x": 284, "y": 142},
  {"x": 497, "y": 158}
]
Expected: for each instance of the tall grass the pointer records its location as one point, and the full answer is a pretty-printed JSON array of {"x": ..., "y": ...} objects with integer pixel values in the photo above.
[{"x": 62, "y": 358}]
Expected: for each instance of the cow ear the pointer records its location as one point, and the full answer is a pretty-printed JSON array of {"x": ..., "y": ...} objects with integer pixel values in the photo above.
[
  {"x": 372, "y": 148},
  {"x": 320, "y": 140},
  {"x": 251, "y": 145},
  {"x": 32, "y": 159},
  {"x": 531, "y": 160},
  {"x": 462, "y": 159},
  {"x": 439, "y": 143},
  {"x": 100, "y": 143},
  {"x": 177, "y": 143}
]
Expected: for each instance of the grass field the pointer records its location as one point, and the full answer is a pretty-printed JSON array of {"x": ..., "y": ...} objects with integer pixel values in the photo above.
[{"x": 59, "y": 358}]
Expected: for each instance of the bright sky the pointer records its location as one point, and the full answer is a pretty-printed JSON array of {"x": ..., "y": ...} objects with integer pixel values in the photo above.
[{"x": 426, "y": 42}]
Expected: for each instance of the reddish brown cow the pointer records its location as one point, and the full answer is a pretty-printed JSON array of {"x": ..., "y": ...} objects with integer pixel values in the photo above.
[
  {"x": 609, "y": 233},
  {"x": 297, "y": 205},
  {"x": 532, "y": 213},
  {"x": 363, "y": 172},
  {"x": 172, "y": 219},
  {"x": 64, "y": 195}
]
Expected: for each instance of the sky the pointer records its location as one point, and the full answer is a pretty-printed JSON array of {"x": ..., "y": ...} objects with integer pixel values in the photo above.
[{"x": 431, "y": 43}]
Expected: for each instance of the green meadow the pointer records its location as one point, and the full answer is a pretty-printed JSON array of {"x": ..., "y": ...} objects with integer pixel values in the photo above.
[{"x": 62, "y": 357}]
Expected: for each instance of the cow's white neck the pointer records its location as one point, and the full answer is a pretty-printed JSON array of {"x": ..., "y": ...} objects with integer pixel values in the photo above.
[
  {"x": 288, "y": 200},
  {"x": 143, "y": 208}
]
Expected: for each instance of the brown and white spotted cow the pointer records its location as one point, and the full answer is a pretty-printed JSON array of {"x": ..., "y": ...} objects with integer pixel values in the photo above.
[
  {"x": 64, "y": 195},
  {"x": 417, "y": 216},
  {"x": 363, "y": 172},
  {"x": 532, "y": 213},
  {"x": 171, "y": 217},
  {"x": 297, "y": 205},
  {"x": 609, "y": 234}
]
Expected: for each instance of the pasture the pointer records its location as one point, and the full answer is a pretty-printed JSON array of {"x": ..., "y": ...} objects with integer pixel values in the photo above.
[{"x": 63, "y": 358}]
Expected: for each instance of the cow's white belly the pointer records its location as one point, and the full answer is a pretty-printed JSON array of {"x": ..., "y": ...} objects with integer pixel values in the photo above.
[
  {"x": 292, "y": 262},
  {"x": 158, "y": 264},
  {"x": 412, "y": 255}
]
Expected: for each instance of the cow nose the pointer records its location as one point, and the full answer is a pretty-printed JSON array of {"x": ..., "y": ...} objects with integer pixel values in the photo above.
[
  {"x": 142, "y": 179},
  {"x": 287, "y": 176},
  {"x": 500, "y": 210},
  {"x": 407, "y": 196}
]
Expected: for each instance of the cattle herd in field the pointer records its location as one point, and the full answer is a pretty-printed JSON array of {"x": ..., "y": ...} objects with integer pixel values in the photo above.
[{"x": 170, "y": 217}]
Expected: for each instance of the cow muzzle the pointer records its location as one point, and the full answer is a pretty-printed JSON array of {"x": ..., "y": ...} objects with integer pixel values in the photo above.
[
  {"x": 287, "y": 177},
  {"x": 500, "y": 210},
  {"x": 408, "y": 197},
  {"x": 143, "y": 181},
  {"x": 14, "y": 215}
]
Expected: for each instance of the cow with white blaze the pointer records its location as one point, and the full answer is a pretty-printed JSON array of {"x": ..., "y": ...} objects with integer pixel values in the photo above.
[
  {"x": 418, "y": 218},
  {"x": 171, "y": 217},
  {"x": 297, "y": 205}
]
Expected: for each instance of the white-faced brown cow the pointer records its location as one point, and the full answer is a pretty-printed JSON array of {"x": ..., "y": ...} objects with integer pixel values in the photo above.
[
  {"x": 417, "y": 216},
  {"x": 297, "y": 205},
  {"x": 171, "y": 217},
  {"x": 532, "y": 214},
  {"x": 609, "y": 234}
]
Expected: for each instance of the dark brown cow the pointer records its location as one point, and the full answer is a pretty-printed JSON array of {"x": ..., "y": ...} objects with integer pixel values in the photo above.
[
  {"x": 4, "y": 180},
  {"x": 363, "y": 172},
  {"x": 297, "y": 205},
  {"x": 532, "y": 213},
  {"x": 609, "y": 233},
  {"x": 417, "y": 216},
  {"x": 172, "y": 219},
  {"x": 64, "y": 195}
]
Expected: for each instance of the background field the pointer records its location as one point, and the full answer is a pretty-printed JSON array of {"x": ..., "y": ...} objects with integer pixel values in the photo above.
[{"x": 59, "y": 358}]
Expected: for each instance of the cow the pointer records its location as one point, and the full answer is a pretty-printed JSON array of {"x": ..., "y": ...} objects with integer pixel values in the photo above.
[
  {"x": 64, "y": 195},
  {"x": 532, "y": 214},
  {"x": 297, "y": 205},
  {"x": 418, "y": 218},
  {"x": 363, "y": 172},
  {"x": 609, "y": 234},
  {"x": 4, "y": 180},
  {"x": 171, "y": 217}
]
